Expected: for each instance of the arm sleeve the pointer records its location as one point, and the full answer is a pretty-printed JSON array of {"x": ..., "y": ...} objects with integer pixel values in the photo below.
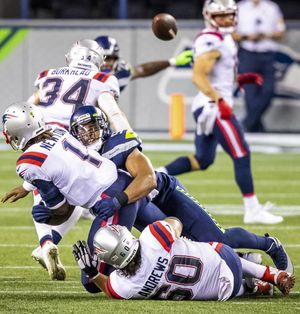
[{"x": 50, "y": 194}]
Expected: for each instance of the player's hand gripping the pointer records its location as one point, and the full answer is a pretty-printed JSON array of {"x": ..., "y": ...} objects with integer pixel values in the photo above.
[
  {"x": 106, "y": 207},
  {"x": 249, "y": 78},
  {"x": 225, "y": 109},
  {"x": 84, "y": 259},
  {"x": 14, "y": 194},
  {"x": 184, "y": 58}
]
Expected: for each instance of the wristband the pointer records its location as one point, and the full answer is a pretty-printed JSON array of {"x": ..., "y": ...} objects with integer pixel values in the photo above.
[
  {"x": 172, "y": 62},
  {"x": 122, "y": 198}
]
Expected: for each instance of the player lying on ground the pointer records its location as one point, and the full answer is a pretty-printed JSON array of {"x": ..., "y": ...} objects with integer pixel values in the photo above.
[{"x": 163, "y": 265}]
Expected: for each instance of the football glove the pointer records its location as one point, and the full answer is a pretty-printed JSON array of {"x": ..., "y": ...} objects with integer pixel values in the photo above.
[
  {"x": 185, "y": 58},
  {"x": 249, "y": 78},
  {"x": 84, "y": 259},
  {"x": 41, "y": 213},
  {"x": 106, "y": 207},
  {"x": 225, "y": 109}
]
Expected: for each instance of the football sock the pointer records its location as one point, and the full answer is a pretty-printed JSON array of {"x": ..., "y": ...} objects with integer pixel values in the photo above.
[
  {"x": 251, "y": 269},
  {"x": 178, "y": 166},
  {"x": 250, "y": 202}
]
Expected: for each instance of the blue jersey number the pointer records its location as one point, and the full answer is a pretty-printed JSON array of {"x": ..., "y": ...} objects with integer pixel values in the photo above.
[
  {"x": 75, "y": 95},
  {"x": 68, "y": 146}
]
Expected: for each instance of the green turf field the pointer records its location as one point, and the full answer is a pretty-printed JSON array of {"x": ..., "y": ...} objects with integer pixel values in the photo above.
[{"x": 26, "y": 288}]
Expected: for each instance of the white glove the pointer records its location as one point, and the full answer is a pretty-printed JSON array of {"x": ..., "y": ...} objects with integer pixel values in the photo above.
[{"x": 207, "y": 118}]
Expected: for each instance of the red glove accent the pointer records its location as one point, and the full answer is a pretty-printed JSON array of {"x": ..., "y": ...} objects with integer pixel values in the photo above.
[
  {"x": 225, "y": 109},
  {"x": 249, "y": 78}
]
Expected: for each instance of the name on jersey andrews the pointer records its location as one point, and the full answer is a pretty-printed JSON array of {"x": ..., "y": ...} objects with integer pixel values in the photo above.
[
  {"x": 154, "y": 278},
  {"x": 67, "y": 71},
  {"x": 56, "y": 135}
]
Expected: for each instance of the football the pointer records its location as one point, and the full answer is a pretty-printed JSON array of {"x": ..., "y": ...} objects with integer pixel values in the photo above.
[{"x": 164, "y": 26}]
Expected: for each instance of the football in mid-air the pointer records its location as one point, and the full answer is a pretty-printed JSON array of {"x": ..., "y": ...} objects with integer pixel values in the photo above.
[{"x": 164, "y": 26}]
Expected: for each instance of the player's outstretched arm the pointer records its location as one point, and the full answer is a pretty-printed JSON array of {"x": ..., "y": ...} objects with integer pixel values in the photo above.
[
  {"x": 116, "y": 117},
  {"x": 15, "y": 194},
  {"x": 151, "y": 68},
  {"x": 140, "y": 168},
  {"x": 89, "y": 264}
]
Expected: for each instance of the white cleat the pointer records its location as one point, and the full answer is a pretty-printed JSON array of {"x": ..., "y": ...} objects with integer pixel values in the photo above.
[
  {"x": 37, "y": 255},
  {"x": 51, "y": 259},
  {"x": 261, "y": 215},
  {"x": 251, "y": 257}
]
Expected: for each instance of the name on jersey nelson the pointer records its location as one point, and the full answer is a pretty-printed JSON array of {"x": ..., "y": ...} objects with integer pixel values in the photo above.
[
  {"x": 57, "y": 134},
  {"x": 154, "y": 278},
  {"x": 70, "y": 71}
]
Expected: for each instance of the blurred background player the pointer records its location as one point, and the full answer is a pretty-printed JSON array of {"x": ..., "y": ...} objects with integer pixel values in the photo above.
[
  {"x": 214, "y": 74},
  {"x": 162, "y": 265},
  {"x": 260, "y": 25},
  {"x": 124, "y": 72}
]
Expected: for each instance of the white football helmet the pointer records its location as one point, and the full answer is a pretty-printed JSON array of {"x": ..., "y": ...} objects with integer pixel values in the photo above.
[
  {"x": 22, "y": 122},
  {"x": 86, "y": 54},
  {"x": 218, "y": 7},
  {"x": 115, "y": 245}
]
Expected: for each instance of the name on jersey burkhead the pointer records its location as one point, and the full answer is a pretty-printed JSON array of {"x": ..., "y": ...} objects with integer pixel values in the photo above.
[
  {"x": 154, "y": 278},
  {"x": 68, "y": 71}
]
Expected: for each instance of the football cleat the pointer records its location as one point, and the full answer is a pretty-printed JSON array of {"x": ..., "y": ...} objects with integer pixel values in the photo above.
[
  {"x": 51, "y": 258},
  {"x": 259, "y": 287},
  {"x": 279, "y": 255},
  {"x": 251, "y": 257},
  {"x": 283, "y": 280},
  {"x": 262, "y": 215},
  {"x": 37, "y": 255}
]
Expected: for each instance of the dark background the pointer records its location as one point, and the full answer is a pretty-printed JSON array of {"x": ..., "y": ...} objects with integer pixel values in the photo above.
[{"x": 114, "y": 9}]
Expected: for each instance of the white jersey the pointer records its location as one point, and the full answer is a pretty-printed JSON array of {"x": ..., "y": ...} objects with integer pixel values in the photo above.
[
  {"x": 80, "y": 175},
  {"x": 174, "y": 269},
  {"x": 222, "y": 76},
  {"x": 263, "y": 17},
  {"x": 63, "y": 90}
]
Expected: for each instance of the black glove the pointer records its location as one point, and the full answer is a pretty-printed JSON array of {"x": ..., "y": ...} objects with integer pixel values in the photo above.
[
  {"x": 41, "y": 213},
  {"x": 84, "y": 259}
]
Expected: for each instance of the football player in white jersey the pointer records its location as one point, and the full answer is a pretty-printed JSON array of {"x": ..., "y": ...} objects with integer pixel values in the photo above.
[
  {"x": 59, "y": 92},
  {"x": 64, "y": 172},
  {"x": 162, "y": 265},
  {"x": 214, "y": 74}
]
